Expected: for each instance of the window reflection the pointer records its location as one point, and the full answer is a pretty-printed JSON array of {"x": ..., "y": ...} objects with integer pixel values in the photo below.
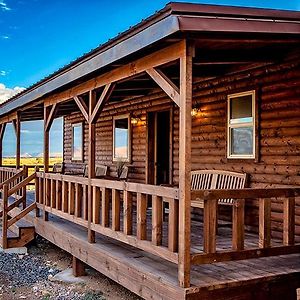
[
  {"x": 77, "y": 141},
  {"x": 121, "y": 138}
]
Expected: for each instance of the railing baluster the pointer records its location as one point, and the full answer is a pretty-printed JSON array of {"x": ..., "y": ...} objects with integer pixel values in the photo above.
[
  {"x": 64, "y": 196},
  {"x": 115, "y": 210},
  {"x": 209, "y": 225},
  {"x": 289, "y": 221},
  {"x": 53, "y": 193},
  {"x": 238, "y": 224},
  {"x": 127, "y": 214},
  {"x": 173, "y": 225},
  {"x": 48, "y": 192},
  {"x": 41, "y": 190},
  {"x": 96, "y": 205},
  {"x": 157, "y": 220},
  {"x": 141, "y": 216},
  {"x": 105, "y": 207},
  {"x": 84, "y": 202},
  {"x": 58, "y": 194},
  {"x": 264, "y": 223},
  {"x": 71, "y": 198},
  {"x": 78, "y": 199}
]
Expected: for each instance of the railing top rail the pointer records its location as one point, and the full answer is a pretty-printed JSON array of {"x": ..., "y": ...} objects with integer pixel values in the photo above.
[
  {"x": 246, "y": 193},
  {"x": 11, "y": 169},
  {"x": 161, "y": 191}
]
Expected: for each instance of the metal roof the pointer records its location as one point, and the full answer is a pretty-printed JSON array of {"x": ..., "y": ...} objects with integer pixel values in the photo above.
[{"x": 175, "y": 17}]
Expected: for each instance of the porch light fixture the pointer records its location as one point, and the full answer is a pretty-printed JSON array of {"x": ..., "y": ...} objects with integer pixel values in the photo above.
[
  {"x": 135, "y": 121},
  {"x": 194, "y": 112}
]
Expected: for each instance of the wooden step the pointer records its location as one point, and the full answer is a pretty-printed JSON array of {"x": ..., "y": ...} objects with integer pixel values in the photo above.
[{"x": 12, "y": 238}]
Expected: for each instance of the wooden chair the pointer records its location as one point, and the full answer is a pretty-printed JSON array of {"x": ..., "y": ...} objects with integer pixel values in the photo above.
[
  {"x": 58, "y": 168},
  {"x": 216, "y": 179},
  {"x": 100, "y": 171}
]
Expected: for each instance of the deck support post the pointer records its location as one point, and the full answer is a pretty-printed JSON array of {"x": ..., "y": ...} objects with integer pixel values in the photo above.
[
  {"x": 17, "y": 126},
  {"x": 78, "y": 267},
  {"x": 185, "y": 132},
  {"x": 2, "y": 130},
  {"x": 91, "y": 163}
]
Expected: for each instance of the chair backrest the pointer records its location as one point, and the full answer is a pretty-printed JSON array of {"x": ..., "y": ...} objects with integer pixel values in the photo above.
[
  {"x": 58, "y": 167},
  {"x": 217, "y": 179},
  {"x": 100, "y": 171},
  {"x": 124, "y": 173}
]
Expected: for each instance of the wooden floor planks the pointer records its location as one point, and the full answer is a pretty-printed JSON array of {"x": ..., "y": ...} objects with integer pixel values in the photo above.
[{"x": 154, "y": 278}]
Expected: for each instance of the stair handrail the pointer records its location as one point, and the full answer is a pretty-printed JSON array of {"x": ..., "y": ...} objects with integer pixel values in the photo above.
[
  {"x": 6, "y": 208},
  {"x": 12, "y": 179}
]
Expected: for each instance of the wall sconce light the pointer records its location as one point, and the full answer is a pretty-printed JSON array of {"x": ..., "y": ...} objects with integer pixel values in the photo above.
[
  {"x": 135, "y": 121},
  {"x": 194, "y": 112}
]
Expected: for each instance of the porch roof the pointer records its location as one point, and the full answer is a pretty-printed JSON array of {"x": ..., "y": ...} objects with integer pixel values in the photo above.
[{"x": 164, "y": 26}]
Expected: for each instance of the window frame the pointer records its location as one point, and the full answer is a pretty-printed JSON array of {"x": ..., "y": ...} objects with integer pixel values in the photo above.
[
  {"x": 119, "y": 117},
  {"x": 77, "y": 124},
  {"x": 252, "y": 124}
]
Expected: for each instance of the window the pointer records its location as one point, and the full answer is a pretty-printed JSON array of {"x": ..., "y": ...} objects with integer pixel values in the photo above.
[
  {"x": 121, "y": 138},
  {"x": 241, "y": 125},
  {"x": 77, "y": 141}
]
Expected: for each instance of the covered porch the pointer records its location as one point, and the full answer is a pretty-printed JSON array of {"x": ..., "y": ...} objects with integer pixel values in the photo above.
[{"x": 173, "y": 99}]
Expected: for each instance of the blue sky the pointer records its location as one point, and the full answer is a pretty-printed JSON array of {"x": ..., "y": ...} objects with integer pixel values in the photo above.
[{"x": 37, "y": 36}]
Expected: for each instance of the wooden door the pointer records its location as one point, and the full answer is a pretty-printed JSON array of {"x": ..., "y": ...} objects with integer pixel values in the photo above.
[{"x": 159, "y": 147}]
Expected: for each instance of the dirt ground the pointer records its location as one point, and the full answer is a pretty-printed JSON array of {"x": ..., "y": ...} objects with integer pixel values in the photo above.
[{"x": 30, "y": 277}]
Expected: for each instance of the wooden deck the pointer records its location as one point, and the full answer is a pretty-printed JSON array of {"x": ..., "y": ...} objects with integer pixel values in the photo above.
[{"x": 152, "y": 277}]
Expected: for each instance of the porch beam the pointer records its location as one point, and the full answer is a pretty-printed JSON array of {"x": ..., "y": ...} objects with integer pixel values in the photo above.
[
  {"x": 2, "y": 130},
  {"x": 104, "y": 96},
  {"x": 155, "y": 59},
  {"x": 185, "y": 132},
  {"x": 165, "y": 83},
  {"x": 82, "y": 106},
  {"x": 51, "y": 116}
]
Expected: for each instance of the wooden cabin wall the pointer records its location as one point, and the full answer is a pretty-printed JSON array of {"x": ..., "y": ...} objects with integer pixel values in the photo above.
[
  {"x": 278, "y": 88},
  {"x": 104, "y": 133}
]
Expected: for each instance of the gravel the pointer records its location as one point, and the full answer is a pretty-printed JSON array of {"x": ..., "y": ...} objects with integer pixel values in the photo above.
[{"x": 21, "y": 270}]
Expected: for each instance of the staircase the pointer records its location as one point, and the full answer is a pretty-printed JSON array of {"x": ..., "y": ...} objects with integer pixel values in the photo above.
[
  {"x": 14, "y": 230},
  {"x": 19, "y": 234}
]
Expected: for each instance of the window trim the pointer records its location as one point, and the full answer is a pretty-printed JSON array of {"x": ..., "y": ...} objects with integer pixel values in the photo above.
[
  {"x": 117, "y": 159},
  {"x": 241, "y": 125},
  {"x": 77, "y": 124}
]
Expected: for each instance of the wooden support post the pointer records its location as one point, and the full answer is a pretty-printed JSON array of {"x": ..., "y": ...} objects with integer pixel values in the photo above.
[
  {"x": 2, "y": 130},
  {"x": 289, "y": 221},
  {"x": 209, "y": 225},
  {"x": 264, "y": 223},
  {"x": 24, "y": 190},
  {"x": 37, "y": 192},
  {"x": 4, "y": 216},
  {"x": 185, "y": 132},
  {"x": 91, "y": 164},
  {"x": 17, "y": 127},
  {"x": 238, "y": 224},
  {"x": 46, "y": 156},
  {"x": 78, "y": 267}
]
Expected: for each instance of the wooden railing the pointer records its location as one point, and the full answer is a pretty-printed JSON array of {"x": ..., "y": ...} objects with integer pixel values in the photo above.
[
  {"x": 264, "y": 247},
  {"x": 119, "y": 210},
  {"x": 10, "y": 175},
  {"x": 7, "y": 206}
]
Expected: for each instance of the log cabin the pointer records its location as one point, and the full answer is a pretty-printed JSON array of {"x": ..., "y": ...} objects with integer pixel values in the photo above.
[{"x": 193, "y": 89}]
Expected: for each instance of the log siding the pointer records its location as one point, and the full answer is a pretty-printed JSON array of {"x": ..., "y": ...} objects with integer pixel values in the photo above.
[{"x": 278, "y": 104}]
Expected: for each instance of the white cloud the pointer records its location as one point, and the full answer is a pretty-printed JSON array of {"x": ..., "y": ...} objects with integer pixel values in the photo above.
[
  {"x": 3, "y": 6},
  {"x": 6, "y": 93},
  {"x": 3, "y": 73}
]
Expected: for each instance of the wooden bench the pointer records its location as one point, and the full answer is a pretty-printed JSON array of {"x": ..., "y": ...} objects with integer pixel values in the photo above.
[{"x": 216, "y": 179}]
